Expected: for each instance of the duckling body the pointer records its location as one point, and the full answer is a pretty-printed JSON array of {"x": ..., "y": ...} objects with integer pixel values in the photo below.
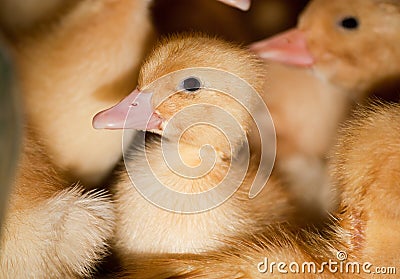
[
  {"x": 74, "y": 67},
  {"x": 51, "y": 229},
  {"x": 267, "y": 255},
  {"x": 364, "y": 166},
  {"x": 145, "y": 227},
  {"x": 167, "y": 231}
]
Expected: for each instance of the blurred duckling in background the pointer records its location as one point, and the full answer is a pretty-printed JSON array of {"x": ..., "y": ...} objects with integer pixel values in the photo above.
[
  {"x": 306, "y": 113},
  {"x": 51, "y": 230},
  {"x": 74, "y": 58},
  {"x": 143, "y": 227},
  {"x": 349, "y": 45},
  {"x": 345, "y": 51},
  {"x": 70, "y": 68}
]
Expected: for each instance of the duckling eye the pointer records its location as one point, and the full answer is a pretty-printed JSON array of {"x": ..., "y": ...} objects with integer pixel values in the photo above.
[
  {"x": 191, "y": 84},
  {"x": 349, "y": 22}
]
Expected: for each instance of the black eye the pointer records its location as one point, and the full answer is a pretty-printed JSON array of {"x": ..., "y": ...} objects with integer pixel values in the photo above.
[
  {"x": 191, "y": 84},
  {"x": 349, "y": 22}
]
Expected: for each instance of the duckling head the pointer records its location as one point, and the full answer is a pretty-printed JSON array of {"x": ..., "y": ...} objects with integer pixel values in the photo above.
[
  {"x": 192, "y": 79},
  {"x": 349, "y": 43}
]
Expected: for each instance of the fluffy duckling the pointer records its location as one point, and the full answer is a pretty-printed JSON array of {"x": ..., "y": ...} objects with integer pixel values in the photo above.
[
  {"x": 250, "y": 256},
  {"x": 351, "y": 45},
  {"x": 51, "y": 230},
  {"x": 166, "y": 226},
  {"x": 85, "y": 54},
  {"x": 70, "y": 69},
  {"x": 344, "y": 50},
  {"x": 362, "y": 235},
  {"x": 365, "y": 164}
]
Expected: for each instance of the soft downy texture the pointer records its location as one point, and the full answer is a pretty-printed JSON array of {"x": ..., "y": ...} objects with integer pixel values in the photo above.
[
  {"x": 243, "y": 256},
  {"x": 364, "y": 164},
  {"x": 51, "y": 228},
  {"x": 82, "y": 60}
]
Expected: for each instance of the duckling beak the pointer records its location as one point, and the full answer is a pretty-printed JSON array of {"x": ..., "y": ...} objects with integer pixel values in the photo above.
[
  {"x": 289, "y": 47},
  {"x": 133, "y": 112},
  {"x": 243, "y": 5}
]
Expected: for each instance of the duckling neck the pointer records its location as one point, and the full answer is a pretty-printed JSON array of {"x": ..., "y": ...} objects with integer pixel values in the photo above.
[
  {"x": 143, "y": 223},
  {"x": 187, "y": 167}
]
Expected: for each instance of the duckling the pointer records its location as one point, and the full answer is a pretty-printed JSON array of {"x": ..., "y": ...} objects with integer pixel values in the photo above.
[
  {"x": 71, "y": 68},
  {"x": 364, "y": 165},
  {"x": 51, "y": 229},
  {"x": 176, "y": 224},
  {"x": 342, "y": 52},
  {"x": 350, "y": 45}
]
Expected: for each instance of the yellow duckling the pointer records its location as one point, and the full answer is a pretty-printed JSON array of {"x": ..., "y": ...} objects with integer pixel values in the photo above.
[
  {"x": 343, "y": 52},
  {"x": 359, "y": 241},
  {"x": 176, "y": 98}
]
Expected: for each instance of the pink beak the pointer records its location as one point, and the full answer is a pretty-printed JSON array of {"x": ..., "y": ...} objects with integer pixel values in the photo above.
[
  {"x": 289, "y": 47},
  {"x": 133, "y": 112},
  {"x": 243, "y": 5}
]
